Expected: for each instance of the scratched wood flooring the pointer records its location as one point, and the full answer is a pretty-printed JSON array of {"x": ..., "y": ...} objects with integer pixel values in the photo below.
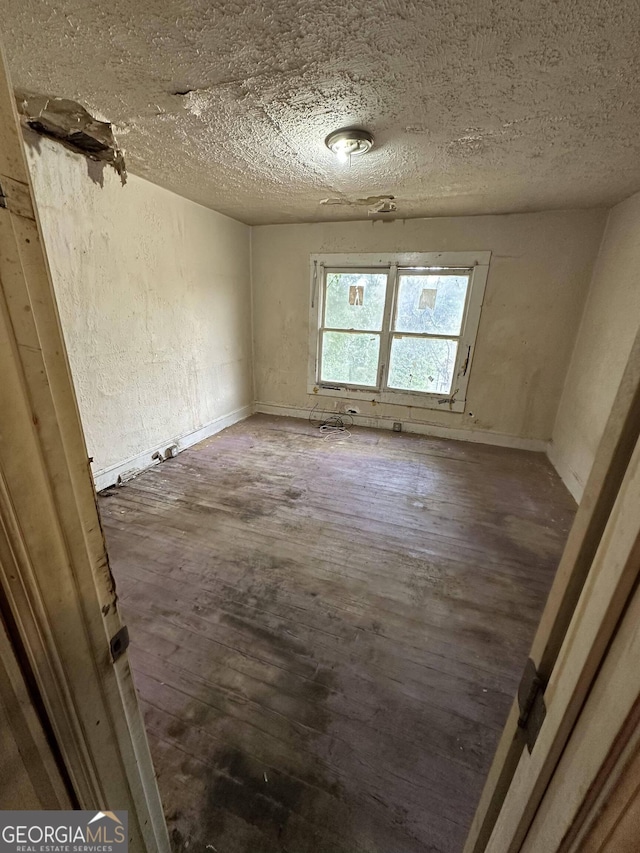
[{"x": 326, "y": 636}]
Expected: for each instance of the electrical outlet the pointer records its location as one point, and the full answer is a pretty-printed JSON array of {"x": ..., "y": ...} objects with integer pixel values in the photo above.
[{"x": 397, "y": 426}]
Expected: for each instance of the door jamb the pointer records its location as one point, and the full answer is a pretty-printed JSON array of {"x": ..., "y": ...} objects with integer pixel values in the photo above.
[
  {"x": 54, "y": 571},
  {"x": 602, "y": 487}
]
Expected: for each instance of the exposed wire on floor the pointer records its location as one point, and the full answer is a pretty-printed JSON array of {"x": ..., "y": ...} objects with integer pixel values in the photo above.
[
  {"x": 332, "y": 432},
  {"x": 330, "y": 425}
]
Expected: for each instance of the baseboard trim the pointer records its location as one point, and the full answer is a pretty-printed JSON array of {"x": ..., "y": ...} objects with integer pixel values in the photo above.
[
  {"x": 384, "y": 422},
  {"x": 566, "y": 474},
  {"x": 130, "y": 467}
]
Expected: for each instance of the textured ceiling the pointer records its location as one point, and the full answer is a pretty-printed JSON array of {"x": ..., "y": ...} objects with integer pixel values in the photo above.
[{"x": 476, "y": 107}]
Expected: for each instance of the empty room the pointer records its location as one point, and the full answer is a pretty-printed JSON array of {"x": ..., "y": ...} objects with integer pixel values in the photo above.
[{"x": 319, "y": 460}]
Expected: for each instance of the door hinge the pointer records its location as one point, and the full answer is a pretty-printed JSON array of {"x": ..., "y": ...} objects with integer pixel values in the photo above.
[
  {"x": 119, "y": 643},
  {"x": 531, "y": 703}
]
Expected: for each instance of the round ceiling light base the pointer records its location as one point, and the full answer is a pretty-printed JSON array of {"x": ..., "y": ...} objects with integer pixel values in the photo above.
[{"x": 349, "y": 142}]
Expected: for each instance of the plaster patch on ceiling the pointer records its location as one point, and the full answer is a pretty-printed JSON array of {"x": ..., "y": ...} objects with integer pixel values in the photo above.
[
  {"x": 364, "y": 202},
  {"x": 385, "y": 207},
  {"x": 378, "y": 206},
  {"x": 196, "y": 101},
  {"x": 71, "y": 124},
  {"x": 488, "y": 107}
]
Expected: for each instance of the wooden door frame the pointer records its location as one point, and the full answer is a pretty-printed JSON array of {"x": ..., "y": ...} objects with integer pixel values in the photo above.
[
  {"x": 55, "y": 581},
  {"x": 609, "y": 816},
  {"x": 602, "y": 489},
  {"x": 37, "y": 763},
  {"x": 539, "y": 807},
  {"x": 606, "y": 734}
]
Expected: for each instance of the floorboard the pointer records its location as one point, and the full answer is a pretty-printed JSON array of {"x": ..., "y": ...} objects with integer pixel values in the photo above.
[{"x": 326, "y": 635}]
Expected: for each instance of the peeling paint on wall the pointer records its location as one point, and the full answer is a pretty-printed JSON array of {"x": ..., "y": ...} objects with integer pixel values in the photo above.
[{"x": 71, "y": 124}]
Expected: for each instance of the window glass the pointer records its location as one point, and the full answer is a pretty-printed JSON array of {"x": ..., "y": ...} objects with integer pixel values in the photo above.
[
  {"x": 355, "y": 300},
  {"x": 431, "y": 304},
  {"x": 422, "y": 364},
  {"x": 350, "y": 358}
]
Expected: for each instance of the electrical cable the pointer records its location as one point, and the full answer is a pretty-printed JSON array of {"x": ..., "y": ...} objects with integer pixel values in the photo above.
[{"x": 330, "y": 425}]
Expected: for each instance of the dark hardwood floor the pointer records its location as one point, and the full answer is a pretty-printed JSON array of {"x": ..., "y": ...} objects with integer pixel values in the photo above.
[{"x": 326, "y": 635}]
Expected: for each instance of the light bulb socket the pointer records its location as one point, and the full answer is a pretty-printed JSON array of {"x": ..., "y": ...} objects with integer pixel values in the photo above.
[{"x": 349, "y": 142}]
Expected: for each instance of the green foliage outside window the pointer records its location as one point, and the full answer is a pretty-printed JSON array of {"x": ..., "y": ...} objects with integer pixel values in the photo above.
[{"x": 427, "y": 305}]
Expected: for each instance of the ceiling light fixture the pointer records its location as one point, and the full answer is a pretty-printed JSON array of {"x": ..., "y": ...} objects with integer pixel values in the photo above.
[{"x": 349, "y": 142}]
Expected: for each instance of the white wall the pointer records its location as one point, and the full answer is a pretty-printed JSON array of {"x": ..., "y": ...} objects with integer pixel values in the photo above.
[
  {"x": 154, "y": 293},
  {"x": 609, "y": 325},
  {"x": 540, "y": 270},
  {"x": 154, "y": 296}
]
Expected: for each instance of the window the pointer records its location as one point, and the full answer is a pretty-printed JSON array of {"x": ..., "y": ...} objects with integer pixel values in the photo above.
[{"x": 396, "y": 328}]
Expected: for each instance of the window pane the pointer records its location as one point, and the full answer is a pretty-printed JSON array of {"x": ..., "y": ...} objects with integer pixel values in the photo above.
[
  {"x": 431, "y": 303},
  {"x": 422, "y": 364},
  {"x": 355, "y": 300},
  {"x": 350, "y": 358}
]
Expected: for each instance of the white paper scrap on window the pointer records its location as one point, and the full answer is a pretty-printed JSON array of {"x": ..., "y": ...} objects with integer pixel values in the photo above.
[
  {"x": 356, "y": 294},
  {"x": 427, "y": 298}
]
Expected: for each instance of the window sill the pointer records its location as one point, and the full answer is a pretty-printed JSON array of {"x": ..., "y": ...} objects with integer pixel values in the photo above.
[{"x": 393, "y": 398}]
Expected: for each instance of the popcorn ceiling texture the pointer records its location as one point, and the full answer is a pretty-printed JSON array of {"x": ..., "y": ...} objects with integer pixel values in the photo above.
[{"x": 483, "y": 107}]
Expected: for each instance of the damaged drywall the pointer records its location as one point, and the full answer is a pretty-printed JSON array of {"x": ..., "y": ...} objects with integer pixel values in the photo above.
[
  {"x": 71, "y": 124},
  {"x": 377, "y": 205},
  {"x": 369, "y": 201}
]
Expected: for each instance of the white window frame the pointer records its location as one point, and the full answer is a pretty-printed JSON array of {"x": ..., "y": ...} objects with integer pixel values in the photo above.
[{"x": 476, "y": 263}]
